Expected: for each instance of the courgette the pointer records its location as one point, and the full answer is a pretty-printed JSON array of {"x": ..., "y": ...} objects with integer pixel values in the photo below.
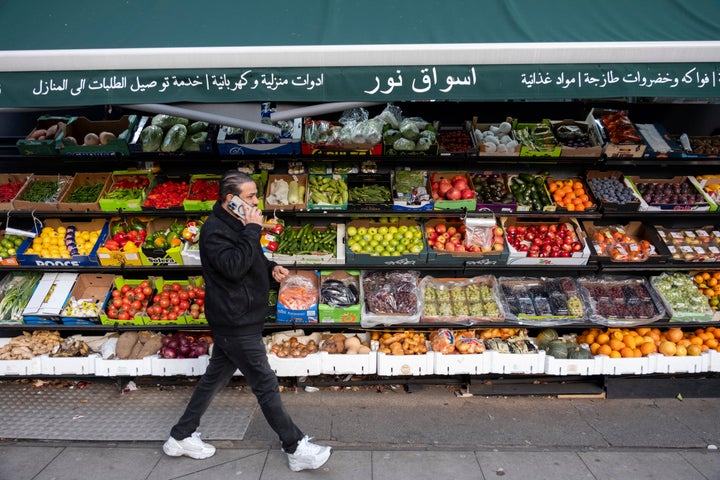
[
  {"x": 167, "y": 121},
  {"x": 151, "y": 138},
  {"x": 174, "y": 138}
]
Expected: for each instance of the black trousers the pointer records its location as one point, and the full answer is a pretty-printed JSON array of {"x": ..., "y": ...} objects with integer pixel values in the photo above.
[{"x": 247, "y": 353}]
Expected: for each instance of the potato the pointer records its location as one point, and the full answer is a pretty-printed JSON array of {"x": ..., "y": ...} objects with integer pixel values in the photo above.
[
  {"x": 125, "y": 344},
  {"x": 91, "y": 139},
  {"x": 106, "y": 137}
]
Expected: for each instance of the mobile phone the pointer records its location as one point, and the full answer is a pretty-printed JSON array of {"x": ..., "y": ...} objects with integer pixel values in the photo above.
[{"x": 236, "y": 204}]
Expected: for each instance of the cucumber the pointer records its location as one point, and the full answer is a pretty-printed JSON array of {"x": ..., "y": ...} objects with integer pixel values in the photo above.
[
  {"x": 151, "y": 138},
  {"x": 167, "y": 121},
  {"x": 174, "y": 138},
  {"x": 193, "y": 142},
  {"x": 197, "y": 127}
]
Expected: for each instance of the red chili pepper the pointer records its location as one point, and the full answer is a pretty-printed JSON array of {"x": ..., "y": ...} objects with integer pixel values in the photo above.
[
  {"x": 204, "y": 190},
  {"x": 8, "y": 191},
  {"x": 167, "y": 194},
  {"x": 131, "y": 181}
]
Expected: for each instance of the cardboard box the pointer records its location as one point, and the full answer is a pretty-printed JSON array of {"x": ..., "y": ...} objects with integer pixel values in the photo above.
[
  {"x": 68, "y": 365},
  {"x": 78, "y": 127},
  {"x": 316, "y": 258},
  {"x": 462, "y": 364},
  {"x": 695, "y": 146},
  {"x": 302, "y": 181},
  {"x": 190, "y": 367},
  {"x": 229, "y": 143},
  {"x": 92, "y": 287},
  {"x": 42, "y": 147},
  {"x": 312, "y": 205},
  {"x": 122, "y": 257},
  {"x": 420, "y": 200},
  {"x": 89, "y": 260},
  {"x": 200, "y": 204},
  {"x": 483, "y": 151},
  {"x": 549, "y": 181},
  {"x": 561, "y": 129},
  {"x": 63, "y": 182},
  {"x": 353, "y": 258},
  {"x": 659, "y": 142},
  {"x": 606, "y": 205},
  {"x": 81, "y": 179},
  {"x": 8, "y": 178},
  {"x": 123, "y": 368},
  {"x": 548, "y": 206},
  {"x": 544, "y": 151},
  {"x": 564, "y": 366},
  {"x": 158, "y": 256},
  {"x": 521, "y": 258},
  {"x": 336, "y": 314},
  {"x": 690, "y": 244},
  {"x": 444, "y": 257},
  {"x": 443, "y": 204},
  {"x": 634, "y": 229},
  {"x": 405, "y": 365},
  {"x": 127, "y": 205},
  {"x": 516, "y": 363},
  {"x": 452, "y": 137},
  {"x": 707, "y": 205},
  {"x": 321, "y": 147},
  {"x": 118, "y": 282},
  {"x": 50, "y": 296},
  {"x": 181, "y": 184},
  {"x": 611, "y": 150},
  {"x": 479, "y": 180},
  {"x": 360, "y": 180},
  {"x": 206, "y": 148},
  {"x": 287, "y": 314}
]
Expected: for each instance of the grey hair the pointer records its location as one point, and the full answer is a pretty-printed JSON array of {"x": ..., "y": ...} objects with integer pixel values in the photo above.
[{"x": 232, "y": 182}]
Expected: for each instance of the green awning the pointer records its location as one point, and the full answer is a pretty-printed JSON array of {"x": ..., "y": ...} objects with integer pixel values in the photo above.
[{"x": 94, "y": 53}]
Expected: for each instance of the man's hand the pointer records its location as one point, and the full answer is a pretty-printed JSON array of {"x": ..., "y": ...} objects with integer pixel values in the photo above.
[
  {"x": 252, "y": 214},
  {"x": 280, "y": 273}
]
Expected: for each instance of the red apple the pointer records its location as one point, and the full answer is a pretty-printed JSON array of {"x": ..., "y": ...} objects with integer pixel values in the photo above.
[
  {"x": 444, "y": 187},
  {"x": 440, "y": 228},
  {"x": 461, "y": 184},
  {"x": 467, "y": 194},
  {"x": 451, "y": 231},
  {"x": 453, "y": 194}
]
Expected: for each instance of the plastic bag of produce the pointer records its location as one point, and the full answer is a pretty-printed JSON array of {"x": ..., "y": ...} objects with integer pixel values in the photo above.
[
  {"x": 390, "y": 297},
  {"x": 392, "y": 115},
  {"x": 620, "y": 301},
  {"x": 542, "y": 302},
  {"x": 682, "y": 300},
  {"x": 468, "y": 301}
]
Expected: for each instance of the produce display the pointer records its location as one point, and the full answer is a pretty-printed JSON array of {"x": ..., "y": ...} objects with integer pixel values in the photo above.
[
  {"x": 670, "y": 192},
  {"x": 708, "y": 283},
  {"x": 173, "y": 301},
  {"x": 409, "y": 135},
  {"x": 455, "y": 141},
  {"x": 453, "y": 236},
  {"x": 128, "y": 187},
  {"x": 204, "y": 189},
  {"x": 561, "y": 348},
  {"x": 496, "y": 138},
  {"x": 29, "y": 345},
  {"x": 165, "y": 238},
  {"x": 451, "y": 188},
  {"x": 9, "y": 190},
  {"x": 16, "y": 289},
  {"x": 63, "y": 242},
  {"x": 698, "y": 145},
  {"x": 621, "y": 301},
  {"x": 460, "y": 300},
  {"x": 43, "y": 191},
  {"x": 167, "y": 194},
  {"x": 136, "y": 345},
  {"x": 644, "y": 341},
  {"x": 369, "y": 194},
  {"x": 339, "y": 343},
  {"x": 411, "y": 186},
  {"x": 571, "y": 194},
  {"x": 691, "y": 244},
  {"x": 530, "y": 190},
  {"x": 328, "y": 190},
  {"x": 406, "y": 342},
  {"x": 391, "y": 292},
  {"x": 85, "y": 193},
  {"x": 184, "y": 345},
  {"x": 167, "y": 133},
  {"x": 619, "y": 128},
  {"x": 572, "y": 136},
  {"x": 683, "y": 301},
  {"x": 340, "y": 293},
  {"x": 304, "y": 240},
  {"x": 544, "y": 239},
  {"x": 128, "y": 301},
  {"x": 9, "y": 245},
  {"x": 612, "y": 190},
  {"x": 284, "y": 192},
  {"x": 127, "y": 236},
  {"x": 614, "y": 241},
  {"x": 385, "y": 239},
  {"x": 491, "y": 188},
  {"x": 538, "y": 137},
  {"x": 543, "y": 299}
]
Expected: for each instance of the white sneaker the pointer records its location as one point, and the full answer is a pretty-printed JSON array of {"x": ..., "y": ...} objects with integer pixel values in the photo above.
[
  {"x": 191, "y": 447},
  {"x": 308, "y": 455}
]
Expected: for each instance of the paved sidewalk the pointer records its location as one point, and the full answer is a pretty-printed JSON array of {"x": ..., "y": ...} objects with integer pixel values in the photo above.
[{"x": 377, "y": 433}]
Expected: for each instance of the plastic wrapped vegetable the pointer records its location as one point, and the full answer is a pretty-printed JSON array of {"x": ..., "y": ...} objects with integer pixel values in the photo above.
[
  {"x": 409, "y": 129},
  {"x": 404, "y": 144},
  {"x": 391, "y": 136},
  {"x": 297, "y": 292},
  {"x": 391, "y": 116}
]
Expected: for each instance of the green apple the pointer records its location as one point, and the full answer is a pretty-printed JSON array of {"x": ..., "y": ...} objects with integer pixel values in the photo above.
[
  {"x": 383, "y": 230},
  {"x": 352, "y": 231},
  {"x": 392, "y": 229},
  {"x": 372, "y": 230},
  {"x": 362, "y": 230},
  {"x": 415, "y": 248},
  {"x": 402, "y": 229}
]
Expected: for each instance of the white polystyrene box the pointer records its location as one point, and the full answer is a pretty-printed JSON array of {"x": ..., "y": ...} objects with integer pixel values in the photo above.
[
  {"x": 22, "y": 368},
  {"x": 566, "y": 366},
  {"x": 624, "y": 366},
  {"x": 295, "y": 367},
  {"x": 659, "y": 363},
  {"x": 517, "y": 363},
  {"x": 68, "y": 365},
  {"x": 462, "y": 364},
  {"x": 712, "y": 360},
  {"x": 398, "y": 365},
  {"x": 344, "y": 364},
  {"x": 123, "y": 368},
  {"x": 167, "y": 367}
]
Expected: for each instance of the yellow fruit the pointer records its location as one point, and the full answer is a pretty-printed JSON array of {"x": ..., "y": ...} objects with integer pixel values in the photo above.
[
  {"x": 667, "y": 348},
  {"x": 694, "y": 350}
]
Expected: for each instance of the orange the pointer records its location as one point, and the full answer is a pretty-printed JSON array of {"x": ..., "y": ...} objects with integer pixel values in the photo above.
[
  {"x": 712, "y": 343},
  {"x": 617, "y": 335},
  {"x": 705, "y": 275},
  {"x": 626, "y": 352},
  {"x": 681, "y": 351},
  {"x": 589, "y": 338},
  {"x": 604, "y": 350},
  {"x": 594, "y": 347},
  {"x": 616, "y": 344},
  {"x": 698, "y": 279},
  {"x": 647, "y": 348},
  {"x": 674, "y": 334},
  {"x": 667, "y": 348},
  {"x": 629, "y": 341},
  {"x": 642, "y": 331},
  {"x": 694, "y": 350},
  {"x": 615, "y": 354},
  {"x": 696, "y": 340},
  {"x": 603, "y": 338}
]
